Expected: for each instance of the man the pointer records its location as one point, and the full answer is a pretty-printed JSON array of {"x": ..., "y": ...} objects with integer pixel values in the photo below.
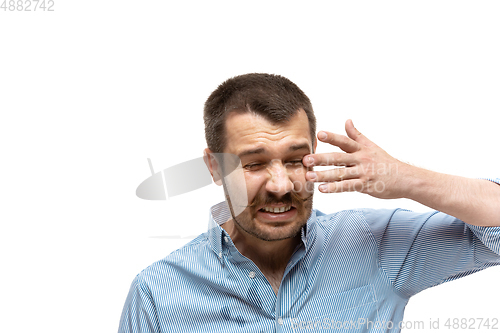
[{"x": 271, "y": 263}]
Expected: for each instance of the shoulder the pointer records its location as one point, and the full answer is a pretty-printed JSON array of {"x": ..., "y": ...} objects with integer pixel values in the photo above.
[
  {"x": 189, "y": 258},
  {"x": 375, "y": 218},
  {"x": 338, "y": 227},
  {"x": 348, "y": 218},
  {"x": 368, "y": 220}
]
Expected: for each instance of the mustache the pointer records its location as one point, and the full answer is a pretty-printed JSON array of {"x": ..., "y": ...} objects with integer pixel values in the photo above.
[{"x": 290, "y": 198}]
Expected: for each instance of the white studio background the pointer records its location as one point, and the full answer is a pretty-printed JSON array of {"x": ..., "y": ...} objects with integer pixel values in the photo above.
[{"x": 91, "y": 90}]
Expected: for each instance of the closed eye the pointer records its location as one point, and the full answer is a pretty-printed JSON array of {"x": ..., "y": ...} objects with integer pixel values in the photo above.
[
  {"x": 258, "y": 166},
  {"x": 296, "y": 162},
  {"x": 254, "y": 166}
]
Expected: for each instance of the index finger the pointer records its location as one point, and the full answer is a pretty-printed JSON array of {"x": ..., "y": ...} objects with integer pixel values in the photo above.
[
  {"x": 324, "y": 159},
  {"x": 343, "y": 142}
]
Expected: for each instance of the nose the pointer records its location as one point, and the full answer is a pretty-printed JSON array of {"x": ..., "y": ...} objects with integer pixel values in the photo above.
[{"x": 279, "y": 181}]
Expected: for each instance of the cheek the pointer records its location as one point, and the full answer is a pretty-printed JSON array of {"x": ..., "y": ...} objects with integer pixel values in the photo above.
[{"x": 254, "y": 183}]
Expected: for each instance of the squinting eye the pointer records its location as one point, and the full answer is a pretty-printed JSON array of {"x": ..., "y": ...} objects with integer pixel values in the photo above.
[
  {"x": 255, "y": 166},
  {"x": 296, "y": 162}
]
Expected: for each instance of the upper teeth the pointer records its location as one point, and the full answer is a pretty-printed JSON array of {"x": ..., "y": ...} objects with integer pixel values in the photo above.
[{"x": 277, "y": 209}]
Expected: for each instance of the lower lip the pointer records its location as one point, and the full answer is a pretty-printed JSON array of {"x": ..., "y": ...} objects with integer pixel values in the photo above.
[{"x": 279, "y": 217}]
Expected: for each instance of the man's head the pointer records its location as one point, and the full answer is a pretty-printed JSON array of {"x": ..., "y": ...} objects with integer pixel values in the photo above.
[
  {"x": 268, "y": 123},
  {"x": 273, "y": 97}
]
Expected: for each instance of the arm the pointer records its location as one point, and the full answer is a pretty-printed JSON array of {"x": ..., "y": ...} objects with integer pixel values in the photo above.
[
  {"x": 139, "y": 312},
  {"x": 369, "y": 169},
  {"x": 474, "y": 201},
  {"x": 421, "y": 250}
]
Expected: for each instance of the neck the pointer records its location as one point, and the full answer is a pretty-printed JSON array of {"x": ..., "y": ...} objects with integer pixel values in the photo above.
[{"x": 269, "y": 256}]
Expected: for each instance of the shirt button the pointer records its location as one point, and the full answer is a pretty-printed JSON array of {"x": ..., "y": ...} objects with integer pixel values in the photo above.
[
  {"x": 226, "y": 239},
  {"x": 251, "y": 275},
  {"x": 280, "y": 321}
]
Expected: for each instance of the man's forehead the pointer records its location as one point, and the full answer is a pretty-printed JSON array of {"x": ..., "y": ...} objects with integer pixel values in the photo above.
[
  {"x": 263, "y": 149},
  {"x": 248, "y": 133}
]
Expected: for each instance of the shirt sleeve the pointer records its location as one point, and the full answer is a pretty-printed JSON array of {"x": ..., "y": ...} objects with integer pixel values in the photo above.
[
  {"x": 418, "y": 251},
  {"x": 139, "y": 313}
]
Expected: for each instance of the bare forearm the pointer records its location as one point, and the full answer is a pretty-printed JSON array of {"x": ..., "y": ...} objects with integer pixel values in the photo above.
[{"x": 474, "y": 201}]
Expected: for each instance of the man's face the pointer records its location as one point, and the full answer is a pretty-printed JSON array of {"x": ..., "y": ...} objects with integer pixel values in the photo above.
[{"x": 279, "y": 198}]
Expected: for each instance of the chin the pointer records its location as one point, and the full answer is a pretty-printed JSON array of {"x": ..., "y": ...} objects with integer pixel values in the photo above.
[
  {"x": 267, "y": 227},
  {"x": 274, "y": 231}
]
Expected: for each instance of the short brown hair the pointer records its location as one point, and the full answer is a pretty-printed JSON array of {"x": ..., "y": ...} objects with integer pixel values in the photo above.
[{"x": 274, "y": 97}]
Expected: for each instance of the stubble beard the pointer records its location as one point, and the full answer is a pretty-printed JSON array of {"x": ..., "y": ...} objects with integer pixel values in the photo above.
[{"x": 246, "y": 220}]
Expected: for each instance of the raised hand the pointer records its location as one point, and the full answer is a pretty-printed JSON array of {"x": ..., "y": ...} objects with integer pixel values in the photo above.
[{"x": 364, "y": 166}]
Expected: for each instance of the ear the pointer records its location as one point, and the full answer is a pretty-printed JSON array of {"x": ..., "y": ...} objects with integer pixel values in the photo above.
[{"x": 213, "y": 166}]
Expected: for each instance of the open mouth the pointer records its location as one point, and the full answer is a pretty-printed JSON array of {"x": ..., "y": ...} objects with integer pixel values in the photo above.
[
  {"x": 276, "y": 210},
  {"x": 284, "y": 213},
  {"x": 277, "y": 214}
]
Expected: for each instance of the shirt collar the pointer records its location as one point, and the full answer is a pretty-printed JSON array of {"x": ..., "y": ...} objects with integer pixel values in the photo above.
[{"x": 220, "y": 214}]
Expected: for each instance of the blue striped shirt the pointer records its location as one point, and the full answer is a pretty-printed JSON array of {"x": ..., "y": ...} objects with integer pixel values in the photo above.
[{"x": 354, "y": 271}]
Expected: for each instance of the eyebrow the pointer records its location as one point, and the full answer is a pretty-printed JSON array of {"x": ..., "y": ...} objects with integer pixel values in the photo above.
[{"x": 292, "y": 148}]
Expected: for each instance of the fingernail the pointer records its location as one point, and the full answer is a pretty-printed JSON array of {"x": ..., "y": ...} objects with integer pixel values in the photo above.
[
  {"x": 310, "y": 160},
  {"x": 322, "y": 136},
  {"x": 311, "y": 175},
  {"x": 322, "y": 187}
]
